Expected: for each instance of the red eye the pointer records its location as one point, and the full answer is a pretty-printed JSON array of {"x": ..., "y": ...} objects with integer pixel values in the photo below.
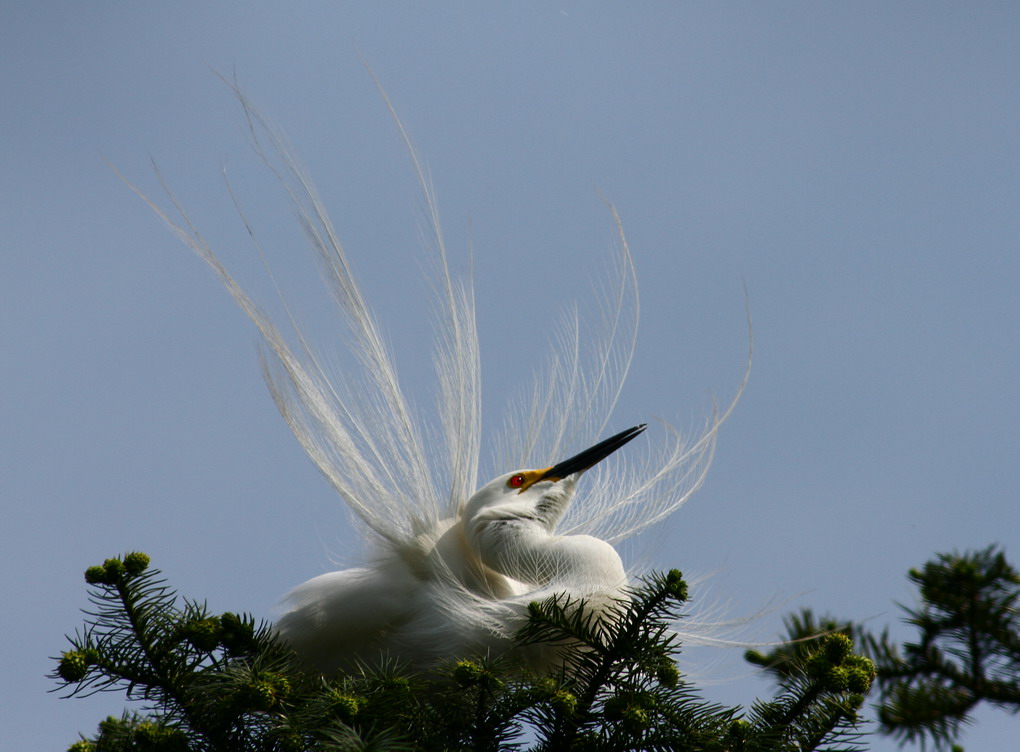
[{"x": 516, "y": 481}]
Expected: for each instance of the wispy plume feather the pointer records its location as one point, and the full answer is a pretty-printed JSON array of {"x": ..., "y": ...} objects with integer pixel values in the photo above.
[{"x": 359, "y": 429}]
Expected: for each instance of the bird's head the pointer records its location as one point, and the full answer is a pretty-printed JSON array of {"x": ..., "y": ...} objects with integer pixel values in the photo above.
[{"x": 540, "y": 496}]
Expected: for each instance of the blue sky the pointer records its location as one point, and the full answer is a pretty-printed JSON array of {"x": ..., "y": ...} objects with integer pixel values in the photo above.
[{"x": 854, "y": 165}]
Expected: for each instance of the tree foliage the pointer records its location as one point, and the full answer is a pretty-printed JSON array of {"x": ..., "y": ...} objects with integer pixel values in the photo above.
[
  {"x": 967, "y": 648},
  {"x": 205, "y": 682}
]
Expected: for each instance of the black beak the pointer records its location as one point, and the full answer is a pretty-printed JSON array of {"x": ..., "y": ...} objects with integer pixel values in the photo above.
[{"x": 589, "y": 457}]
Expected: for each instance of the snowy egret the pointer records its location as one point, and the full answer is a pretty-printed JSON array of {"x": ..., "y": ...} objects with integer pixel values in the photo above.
[
  {"x": 455, "y": 565},
  {"x": 462, "y": 588}
]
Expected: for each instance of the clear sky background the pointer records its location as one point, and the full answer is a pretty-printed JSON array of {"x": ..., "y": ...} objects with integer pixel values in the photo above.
[{"x": 855, "y": 165}]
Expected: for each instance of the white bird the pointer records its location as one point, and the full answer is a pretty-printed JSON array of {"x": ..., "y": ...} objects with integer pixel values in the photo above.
[
  {"x": 462, "y": 587},
  {"x": 454, "y": 567}
]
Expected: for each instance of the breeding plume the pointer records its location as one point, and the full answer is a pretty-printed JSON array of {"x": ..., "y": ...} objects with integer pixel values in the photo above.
[{"x": 454, "y": 563}]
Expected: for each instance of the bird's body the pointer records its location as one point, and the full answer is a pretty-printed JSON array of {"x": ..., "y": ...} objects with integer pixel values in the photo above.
[
  {"x": 454, "y": 565},
  {"x": 462, "y": 588}
]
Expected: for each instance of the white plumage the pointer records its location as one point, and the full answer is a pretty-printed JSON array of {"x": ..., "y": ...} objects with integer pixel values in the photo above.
[
  {"x": 462, "y": 587},
  {"x": 454, "y": 567}
]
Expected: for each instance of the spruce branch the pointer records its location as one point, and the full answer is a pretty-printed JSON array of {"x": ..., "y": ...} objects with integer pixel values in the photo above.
[
  {"x": 967, "y": 648},
  {"x": 966, "y": 651},
  {"x": 221, "y": 683}
]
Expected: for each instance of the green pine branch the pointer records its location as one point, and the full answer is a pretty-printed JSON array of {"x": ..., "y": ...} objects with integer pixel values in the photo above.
[
  {"x": 967, "y": 649},
  {"x": 208, "y": 683}
]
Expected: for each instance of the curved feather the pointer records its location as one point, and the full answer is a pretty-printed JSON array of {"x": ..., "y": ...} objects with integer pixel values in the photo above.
[{"x": 358, "y": 427}]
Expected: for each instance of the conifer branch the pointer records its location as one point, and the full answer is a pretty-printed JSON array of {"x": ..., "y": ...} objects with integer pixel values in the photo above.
[{"x": 219, "y": 683}]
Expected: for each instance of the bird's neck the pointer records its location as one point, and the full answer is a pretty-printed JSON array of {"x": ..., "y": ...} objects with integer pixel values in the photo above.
[
  {"x": 449, "y": 555},
  {"x": 523, "y": 548}
]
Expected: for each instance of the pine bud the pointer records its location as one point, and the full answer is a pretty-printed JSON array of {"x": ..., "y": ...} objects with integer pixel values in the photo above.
[
  {"x": 203, "y": 634},
  {"x": 396, "y": 684},
  {"x": 862, "y": 672},
  {"x": 136, "y": 562},
  {"x": 152, "y": 736},
  {"x": 675, "y": 585},
  {"x": 467, "y": 673},
  {"x": 96, "y": 576},
  {"x": 73, "y": 666},
  {"x": 114, "y": 570},
  {"x": 837, "y": 679},
  {"x": 560, "y": 699},
  {"x": 345, "y": 706},
  {"x": 111, "y": 725},
  {"x": 563, "y": 701},
  {"x": 237, "y": 634},
  {"x": 667, "y": 673},
  {"x": 631, "y": 710},
  {"x": 635, "y": 719},
  {"x": 738, "y": 732},
  {"x": 267, "y": 690},
  {"x": 261, "y": 695},
  {"x": 838, "y": 647}
]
